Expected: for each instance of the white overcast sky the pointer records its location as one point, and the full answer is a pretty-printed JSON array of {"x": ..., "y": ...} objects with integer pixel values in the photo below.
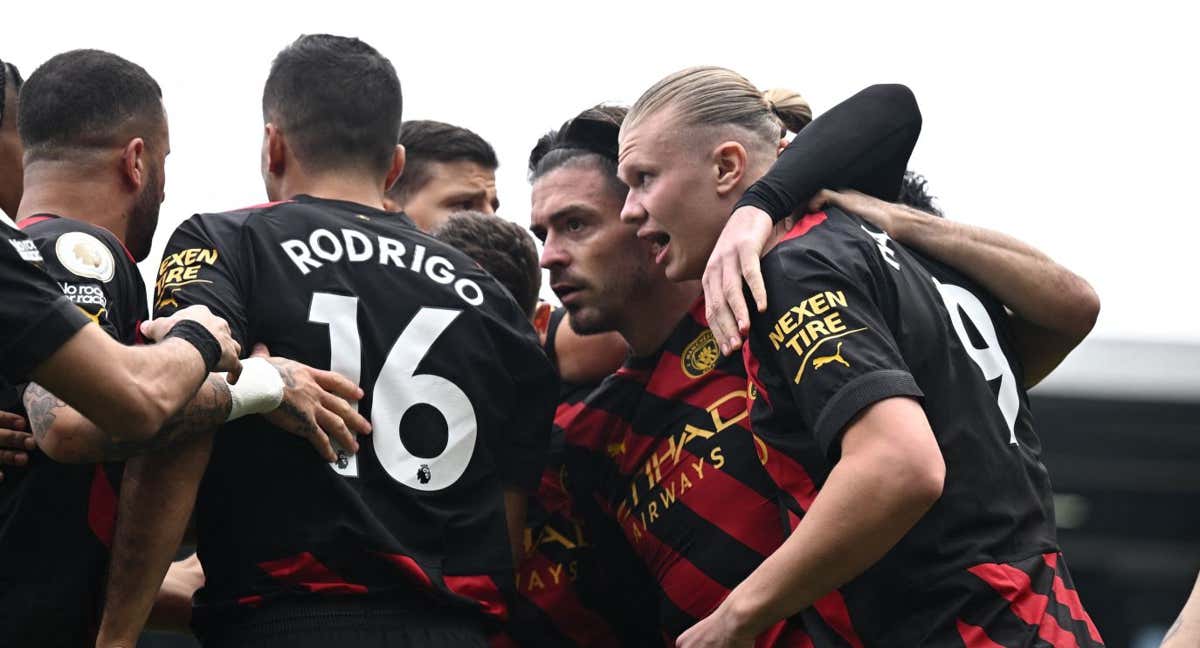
[{"x": 1070, "y": 125}]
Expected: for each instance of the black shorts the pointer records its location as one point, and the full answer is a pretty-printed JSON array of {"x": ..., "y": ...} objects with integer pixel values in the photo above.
[{"x": 350, "y": 622}]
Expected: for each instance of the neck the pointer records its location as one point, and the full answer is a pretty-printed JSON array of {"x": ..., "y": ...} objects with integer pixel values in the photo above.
[
  {"x": 656, "y": 314},
  {"x": 85, "y": 194},
  {"x": 349, "y": 186}
]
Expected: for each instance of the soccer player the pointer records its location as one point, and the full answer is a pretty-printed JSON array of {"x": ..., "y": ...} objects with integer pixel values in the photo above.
[
  {"x": 502, "y": 248},
  {"x": 679, "y": 472},
  {"x": 893, "y": 381},
  {"x": 95, "y": 136},
  {"x": 447, "y": 169},
  {"x": 10, "y": 142},
  {"x": 410, "y": 542}
]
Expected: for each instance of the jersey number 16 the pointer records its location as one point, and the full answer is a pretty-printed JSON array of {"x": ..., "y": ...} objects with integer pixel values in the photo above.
[{"x": 397, "y": 389}]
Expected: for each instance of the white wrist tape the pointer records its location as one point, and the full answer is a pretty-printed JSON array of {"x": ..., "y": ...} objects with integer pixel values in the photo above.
[{"x": 258, "y": 391}]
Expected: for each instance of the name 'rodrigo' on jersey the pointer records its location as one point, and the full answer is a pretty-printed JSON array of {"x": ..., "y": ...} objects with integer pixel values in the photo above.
[
  {"x": 853, "y": 318},
  {"x": 459, "y": 393}
]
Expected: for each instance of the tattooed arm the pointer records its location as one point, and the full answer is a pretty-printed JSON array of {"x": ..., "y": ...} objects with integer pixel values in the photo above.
[
  {"x": 1185, "y": 632},
  {"x": 67, "y": 436}
]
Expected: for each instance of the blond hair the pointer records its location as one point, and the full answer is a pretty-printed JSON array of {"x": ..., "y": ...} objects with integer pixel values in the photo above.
[{"x": 715, "y": 96}]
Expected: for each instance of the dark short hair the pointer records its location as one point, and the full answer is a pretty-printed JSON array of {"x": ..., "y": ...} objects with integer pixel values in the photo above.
[
  {"x": 10, "y": 77},
  {"x": 914, "y": 192},
  {"x": 502, "y": 248},
  {"x": 426, "y": 142},
  {"x": 83, "y": 99},
  {"x": 590, "y": 138},
  {"x": 337, "y": 100}
]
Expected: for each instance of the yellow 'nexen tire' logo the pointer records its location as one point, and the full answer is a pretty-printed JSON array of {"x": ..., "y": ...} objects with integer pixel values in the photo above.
[{"x": 700, "y": 355}]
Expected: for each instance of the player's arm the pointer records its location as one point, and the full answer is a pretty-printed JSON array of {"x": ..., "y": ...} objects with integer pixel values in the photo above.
[
  {"x": 862, "y": 143},
  {"x": 1052, "y": 308},
  {"x": 135, "y": 390},
  {"x": 1185, "y": 632},
  {"x": 890, "y": 473},
  {"x": 310, "y": 403},
  {"x": 854, "y": 396},
  {"x": 15, "y": 441},
  {"x": 158, "y": 493}
]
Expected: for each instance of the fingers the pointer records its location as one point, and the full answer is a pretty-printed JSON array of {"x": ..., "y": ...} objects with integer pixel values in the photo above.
[
  {"x": 16, "y": 440},
  {"x": 752, "y": 274},
  {"x": 13, "y": 458},
  {"x": 714, "y": 302},
  {"x": 234, "y": 370},
  {"x": 12, "y": 421},
  {"x": 356, "y": 422},
  {"x": 335, "y": 429},
  {"x": 732, "y": 302},
  {"x": 155, "y": 329},
  {"x": 338, "y": 385},
  {"x": 823, "y": 197}
]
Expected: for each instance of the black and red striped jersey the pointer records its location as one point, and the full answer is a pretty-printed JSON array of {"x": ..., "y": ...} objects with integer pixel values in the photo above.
[
  {"x": 853, "y": 318},
  {"x": 683, "y": 476},
  {"x": 458, "y": 390},
  {"x": 57, "y": 520},
  {"x": 578, "y": 583}
]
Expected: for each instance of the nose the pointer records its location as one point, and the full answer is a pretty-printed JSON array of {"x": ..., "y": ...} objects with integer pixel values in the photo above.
[
  {"x": 487, "y": 208},
  {"x": 553, "y": 254},
  {"x": 633, "y": 212}
]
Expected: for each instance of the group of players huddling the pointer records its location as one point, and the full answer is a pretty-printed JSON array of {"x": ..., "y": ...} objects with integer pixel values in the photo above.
[{"x": 767, "y": 413}]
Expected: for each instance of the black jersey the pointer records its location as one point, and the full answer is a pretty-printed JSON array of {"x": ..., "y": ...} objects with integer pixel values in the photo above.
[
  {"x": 458, "y": 390},
  {"x": 35, "y": 318},
  {"x": 57, "y": 520},
  {"x": 853, "y": 319},
  {"x": 577, "y": 584},
  {"x": 684, "y": 477}
]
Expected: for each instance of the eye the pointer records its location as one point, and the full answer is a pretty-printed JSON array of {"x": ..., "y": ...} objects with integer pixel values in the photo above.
[{"x": 574, "y": 225}]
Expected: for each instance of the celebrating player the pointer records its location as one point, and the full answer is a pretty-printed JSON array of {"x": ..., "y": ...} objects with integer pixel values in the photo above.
[
  {"x": 891, "y": 380},
  {"x": 96, "y": 138},
  {"x": 410, "y": 541},
  {"x": 447, "y": 169},
  {"x": 679, "y": 472}
]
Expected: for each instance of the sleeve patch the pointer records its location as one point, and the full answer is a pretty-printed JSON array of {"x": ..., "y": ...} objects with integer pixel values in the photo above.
[
  {"x": 85, "y": 255},
  {"x": 806, "y": 327},
  {"x": 181, "y": 269}
]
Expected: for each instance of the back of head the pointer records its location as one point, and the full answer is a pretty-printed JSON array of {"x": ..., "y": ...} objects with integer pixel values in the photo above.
[
  {"x": 914, "y": 192},
  {"x": 711, "y": 96},
  {"x": 10, "y": 88},
  {"x": 337, "y": 101},
  {"x": 589, "y": 138},
  {"x": 427, "y": 142},
  {"x": 87, "y": 99},
  {"x": 503, "y": 248}
]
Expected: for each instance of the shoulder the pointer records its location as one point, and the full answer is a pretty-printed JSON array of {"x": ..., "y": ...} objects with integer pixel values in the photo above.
[
  {"x": 82, "y": 249},
  {"x": 830, "y": 240}
]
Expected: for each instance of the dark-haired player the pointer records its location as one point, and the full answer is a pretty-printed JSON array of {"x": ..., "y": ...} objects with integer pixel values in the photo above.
[
  {"x": 502, "y": 248},
  {"x": 888, "y": 381},
  {"x": 95, "y": 136},
  {"x": 447, "y": 169},
  {"x": 410, "y": 542},
  {"x": 679, "y": 472}
]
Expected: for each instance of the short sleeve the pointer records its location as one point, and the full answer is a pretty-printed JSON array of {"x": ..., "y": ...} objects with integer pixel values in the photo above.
[
  {"x": 200, "y": 268},
  {"x": 826, "y": 336},
  {"x": 35, "y": 317},
  {"x": 521, "y": 450},
  {"x": 94, "y": 273}
]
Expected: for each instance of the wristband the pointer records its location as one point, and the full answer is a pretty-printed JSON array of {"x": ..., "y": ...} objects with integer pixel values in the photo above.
[
  {"x": 259, "y": 389},
  {"x": 195, "y": 334}
]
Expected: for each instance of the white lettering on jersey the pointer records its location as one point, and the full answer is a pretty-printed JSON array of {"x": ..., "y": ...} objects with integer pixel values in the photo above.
[
  {"x": 882, "y": 240},
  {"x": 354, "y": 246}
]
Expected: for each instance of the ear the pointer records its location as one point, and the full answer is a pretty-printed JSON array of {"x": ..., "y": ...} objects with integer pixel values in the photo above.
[
  {"x": 541, "y": 320},
  {"x": 730, "y": 158},
  {"x": 397, "y": 168},
  {"x": 133, "y": 164},
  {"x": 783, "y": 143},
  {"x": 275, "y": 149}
]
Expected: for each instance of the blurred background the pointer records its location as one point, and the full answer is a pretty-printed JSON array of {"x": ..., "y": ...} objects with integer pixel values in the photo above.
[{"x": 1070, "y": 125}]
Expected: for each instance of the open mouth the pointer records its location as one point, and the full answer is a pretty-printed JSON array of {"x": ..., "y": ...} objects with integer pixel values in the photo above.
[
  {"x": 659, "y": 243},
  {"x": 563, "y": 291}
]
